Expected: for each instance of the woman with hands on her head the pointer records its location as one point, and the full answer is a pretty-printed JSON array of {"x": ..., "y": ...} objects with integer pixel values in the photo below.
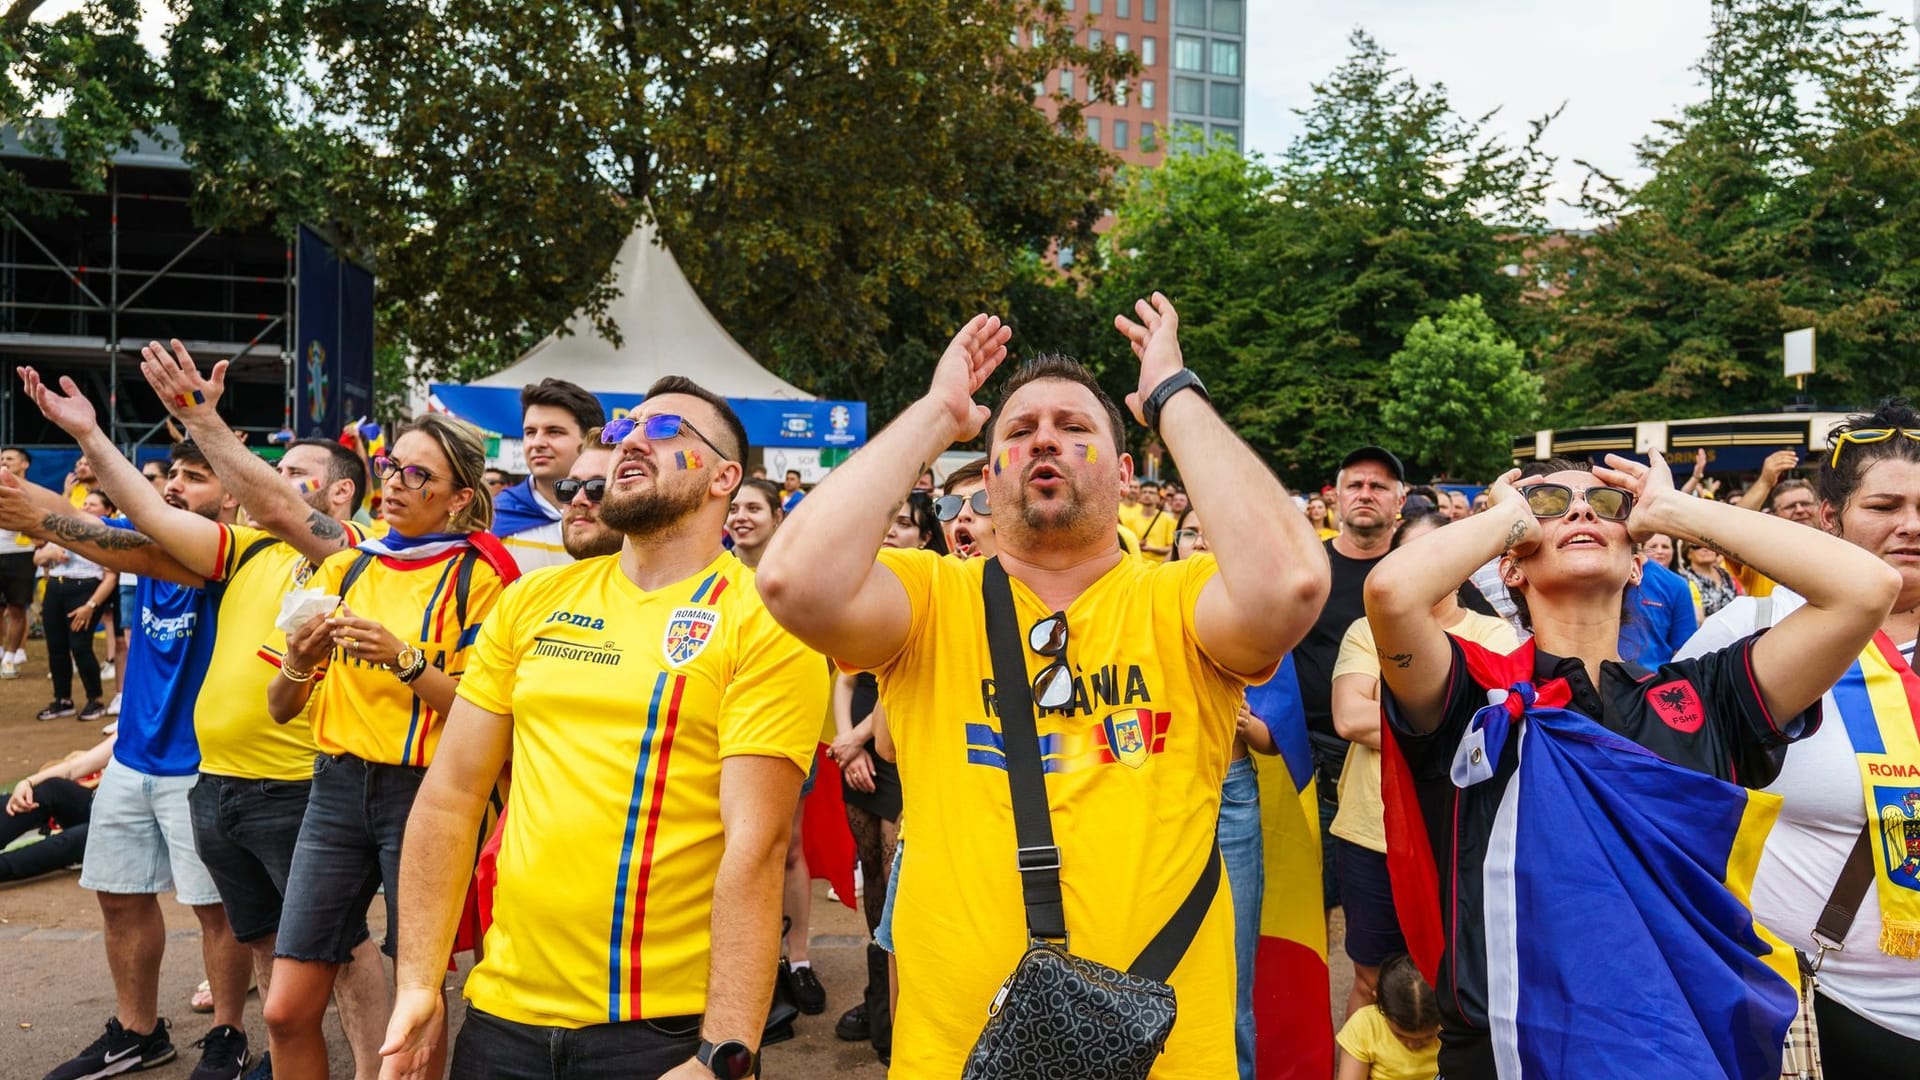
[
  {"x": 1649, "y": 766},
  {"x": 378, "y": 674}
]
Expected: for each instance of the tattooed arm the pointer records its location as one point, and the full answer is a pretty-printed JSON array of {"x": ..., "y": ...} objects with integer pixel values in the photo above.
[
  {"x": 1401, "y": 591},
  {"x": 121, "y": 550},
  {"x": 268, "y": 498},
  {"x": 1848, "y": 589}
]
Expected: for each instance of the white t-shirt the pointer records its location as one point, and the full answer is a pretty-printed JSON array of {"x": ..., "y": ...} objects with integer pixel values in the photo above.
[{"x": 1821, "y": 815}]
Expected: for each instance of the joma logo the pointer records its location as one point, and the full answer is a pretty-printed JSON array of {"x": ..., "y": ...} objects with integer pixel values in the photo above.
[{"x": 574, "y": 619}]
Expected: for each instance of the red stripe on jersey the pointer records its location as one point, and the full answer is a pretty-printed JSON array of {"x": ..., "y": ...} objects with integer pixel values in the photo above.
[{"x": 645, "y": 870}]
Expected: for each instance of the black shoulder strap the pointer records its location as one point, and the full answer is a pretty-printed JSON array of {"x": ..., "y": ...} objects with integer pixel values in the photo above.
[
  {"x": 462, "y": 583},
  {"x": 1038, "y": 857},
  {"x": 1856, "y": 877},
  {"x": 360, "y": 564},
  {"x": 259, "y": 545}
]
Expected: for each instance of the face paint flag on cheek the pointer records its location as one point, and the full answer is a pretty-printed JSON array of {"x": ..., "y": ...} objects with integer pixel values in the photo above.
[
  {"x": 1090, "y": 453},
  {"x": 687, "y": 459},
  {"x": 307, "y": 486},
  {"x": 1005, "y": 459}
]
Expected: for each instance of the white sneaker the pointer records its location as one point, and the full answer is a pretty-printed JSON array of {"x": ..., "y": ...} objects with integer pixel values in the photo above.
[
  {"x": 107, "y": 671},
  {"x": 113, "y": 709},
  {"x": 18, "y": 656},
  {"x": 110, "y": 728},
  {"x": 8, "y": 671}
]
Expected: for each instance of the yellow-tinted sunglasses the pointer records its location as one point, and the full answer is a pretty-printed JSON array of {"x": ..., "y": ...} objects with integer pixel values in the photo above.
[{"x": 1865, "y": 436}]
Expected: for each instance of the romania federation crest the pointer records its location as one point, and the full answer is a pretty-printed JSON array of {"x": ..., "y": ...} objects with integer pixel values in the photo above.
[
  {"x": 1900, "y": 834},
  {"x": 1128, "y": 733},
  {"x": 688, "y": 631}
]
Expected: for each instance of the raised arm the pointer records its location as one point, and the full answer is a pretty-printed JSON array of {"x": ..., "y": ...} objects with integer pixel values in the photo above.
[
  {"x": 270, "y": 502},
  {"x": 1273, "y": 573},
  {"x": 818, "y": 576},
  {"x": 44, "y": 515},
  {"x": 1777, "y": 465},
  {"x": 188, "y": 537},
  {"x": 1415, "y": 659},
  {"x": 1847, "y": 588}
]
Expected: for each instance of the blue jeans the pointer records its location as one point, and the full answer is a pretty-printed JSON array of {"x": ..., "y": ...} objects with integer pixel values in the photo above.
[{"x": 1241, "y": 848}]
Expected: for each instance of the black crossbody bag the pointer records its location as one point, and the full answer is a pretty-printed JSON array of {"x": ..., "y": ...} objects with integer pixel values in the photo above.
[{"x": 1059, "y": 1014}]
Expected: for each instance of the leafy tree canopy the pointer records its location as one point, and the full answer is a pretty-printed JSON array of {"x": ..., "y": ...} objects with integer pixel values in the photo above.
[{"x": 1459, "y": 392}]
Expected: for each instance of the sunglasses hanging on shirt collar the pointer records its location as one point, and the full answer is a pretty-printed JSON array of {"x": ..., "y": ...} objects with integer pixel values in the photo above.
[{"x": 1053, "y": 687}]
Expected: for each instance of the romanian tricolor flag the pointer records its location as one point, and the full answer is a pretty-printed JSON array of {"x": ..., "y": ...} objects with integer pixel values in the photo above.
[
  {"x": 1290, "y": 987},
  {"x": 1619, "y": 940},
  {"x": 687, "y": 459}
]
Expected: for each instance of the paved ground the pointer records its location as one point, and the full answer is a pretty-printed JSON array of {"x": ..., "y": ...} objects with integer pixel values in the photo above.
[{"x": 55, "y": 993}]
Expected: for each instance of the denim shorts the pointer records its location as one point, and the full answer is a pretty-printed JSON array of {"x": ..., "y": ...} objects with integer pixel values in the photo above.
[
  {"x": 245, "y": 831},
  {"x": 349, "y": 847},
  {"x": 883, "y": 934},
  {"x": 140, "y": 838}
]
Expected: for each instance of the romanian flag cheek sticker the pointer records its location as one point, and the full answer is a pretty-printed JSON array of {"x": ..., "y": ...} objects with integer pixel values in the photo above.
[
  {"x": 1006, "y": 460},
  {"x": 307, "y": 486},
  {"x": 687, "y": 459},
  {"x": 1090, "y": 453}
]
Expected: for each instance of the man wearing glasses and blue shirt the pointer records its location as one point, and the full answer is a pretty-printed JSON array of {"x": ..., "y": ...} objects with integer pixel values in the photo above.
[{"x": 1139, "y": 670}]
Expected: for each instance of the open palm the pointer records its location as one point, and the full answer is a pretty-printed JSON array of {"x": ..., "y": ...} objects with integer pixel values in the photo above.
[
  {"x": 67, "y": 407},
  {"x": 971, "y": 356}
]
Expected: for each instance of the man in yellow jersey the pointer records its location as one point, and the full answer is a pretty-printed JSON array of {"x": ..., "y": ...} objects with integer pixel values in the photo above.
[
  {"x": 660, "y": 725},
  {"x": 1156, "y": 655},
  {"x": 1156, "y": 524},
  {"x": 255, "y": 775},
  {"x": 526, "y": 517}
]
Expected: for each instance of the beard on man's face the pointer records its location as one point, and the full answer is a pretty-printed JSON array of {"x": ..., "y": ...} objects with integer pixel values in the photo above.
[{"x": 633, "y": 513}]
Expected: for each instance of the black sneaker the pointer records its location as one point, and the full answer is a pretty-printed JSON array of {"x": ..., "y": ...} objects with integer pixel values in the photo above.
[
  {"x": 58, "y": 709},
  {"x": 118, "y": 1051},
  {"x": 853, "y": 1025},
  {"x": 223, "y": 1054},
  {"x": 94, "y": 710},
  {"x": 808, "y": 995}
]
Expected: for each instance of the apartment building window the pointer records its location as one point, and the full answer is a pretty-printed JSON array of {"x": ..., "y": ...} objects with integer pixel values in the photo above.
[
  {"x": 1066, "y": 257},
  {"x": 1146, "y": 95},
  {"x": 1119, "y": 134},
  {"x": 1146, "y": 137},
  {"x": 1039, "y": 37},
  {"x": 1226, "y": 16},
  {"x": 1190, "y": 96},
  {"x": 1095, "y": 7},
  {"x": 1189, "y": 54},
  {"x": 1093, "y": 91},
  {"x": 1150, "y": 11},
  {"x": 1094, "y": 38},
  {"x": 1120, "y": 93},
  {"x": 1223, "y": 133},
  {"x": 1226, "y": 58},
  {"x": 1016, "y": 37},
  {"x": 1066, "y": 82},
  {"x": 1148, "y": 50},
  {"x": 1226, "y": 101},
  {"x": 1093, "y": 129},
  {"x": 1123, "y": 8},
  {"x": 1123, "y": 42},
  {"x": 1190, "y": 13}
]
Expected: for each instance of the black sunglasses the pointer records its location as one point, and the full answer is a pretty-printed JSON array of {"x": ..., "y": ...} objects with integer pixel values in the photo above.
[
  {"x": 1053, "y": 687},
  {"x": 1555, "y": 500},
  {"x": 947, "y": 507},
  {"x": 408, "y": 477},
  {"x": 565, "y": 490}
]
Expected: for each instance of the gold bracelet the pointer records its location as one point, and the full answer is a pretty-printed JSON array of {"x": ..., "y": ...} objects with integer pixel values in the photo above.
[{"x": 293, "y": 674}]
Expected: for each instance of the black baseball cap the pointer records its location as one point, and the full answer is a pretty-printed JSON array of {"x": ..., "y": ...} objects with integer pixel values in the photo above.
[{"x": 1376, "y": 453}]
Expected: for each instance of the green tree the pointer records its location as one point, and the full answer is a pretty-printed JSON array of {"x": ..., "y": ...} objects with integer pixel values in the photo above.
[
  {"x": 1782, "y": 199},
  {"x": 1459, "y": 392},
  {"x": 1298, "y": 280}
]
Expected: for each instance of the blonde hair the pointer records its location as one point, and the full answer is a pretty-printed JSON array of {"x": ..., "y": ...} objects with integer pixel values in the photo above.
[{"x": 466, "y": 452}]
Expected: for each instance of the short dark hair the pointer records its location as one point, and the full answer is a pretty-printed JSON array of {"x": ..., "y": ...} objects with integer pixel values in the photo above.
[
  {"x": 793, "y": 472},
  {"x": 106, "y": 500},
  {"x": 1551, "y": 465},
  {"x": 1404, "y": 996},
  {"x": 733, "y": 441},
  {"x": 972, "y": 470},
  {"x": 920, "y": 505},
  {"x": 561, "y": 394},
  {"x": 21, "y": 450},
  {"x": 1066, "y": 369},
  {"x": 1154, "y": 484},
  {"x": 342, "y": 464},
  {"x": 185, "y": 452},
  {"x": 1838, "y": 482}
]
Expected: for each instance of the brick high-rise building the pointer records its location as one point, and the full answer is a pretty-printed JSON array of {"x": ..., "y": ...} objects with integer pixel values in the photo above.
[{"x": 1192, "y": 69}]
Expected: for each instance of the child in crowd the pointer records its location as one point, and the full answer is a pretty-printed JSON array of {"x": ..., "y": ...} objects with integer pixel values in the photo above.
[{"x": 1399, "y": 1037}]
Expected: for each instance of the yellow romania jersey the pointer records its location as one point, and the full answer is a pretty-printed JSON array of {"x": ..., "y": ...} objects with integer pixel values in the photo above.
[
  {"x": 363, "y": 710},
  {"x": 624, "y": 703},
  {"x": 1134, "y": 766},
  {"x": 1158, "y": 532},
  {"x": 237, "y": 737}
]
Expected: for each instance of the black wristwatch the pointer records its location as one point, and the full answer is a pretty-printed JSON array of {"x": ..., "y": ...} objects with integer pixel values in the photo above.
[
  {"x": 730, "y": 1060},
  {"x": 1184, "y": 379}
]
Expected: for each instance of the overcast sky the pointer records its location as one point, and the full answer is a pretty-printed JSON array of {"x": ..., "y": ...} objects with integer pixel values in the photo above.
[{"x": 1618, "y": 65}]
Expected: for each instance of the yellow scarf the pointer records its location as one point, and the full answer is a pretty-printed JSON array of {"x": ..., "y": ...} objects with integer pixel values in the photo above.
[{"x": 1879, "y": 700}]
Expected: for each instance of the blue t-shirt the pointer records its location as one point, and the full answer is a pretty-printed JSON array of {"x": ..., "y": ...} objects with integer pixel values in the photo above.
[
  {"x": 1659, "y": 617},
  {"x": 792, "y": 501},
  {"x": 167, "y": 657}
]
